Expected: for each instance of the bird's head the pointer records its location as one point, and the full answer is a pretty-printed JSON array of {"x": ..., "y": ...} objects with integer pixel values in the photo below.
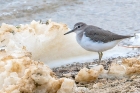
[{"x": 78, "y": 27}]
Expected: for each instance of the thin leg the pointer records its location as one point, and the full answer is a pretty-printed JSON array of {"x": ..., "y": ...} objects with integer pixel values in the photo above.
[{"x": 100, "y": 56}]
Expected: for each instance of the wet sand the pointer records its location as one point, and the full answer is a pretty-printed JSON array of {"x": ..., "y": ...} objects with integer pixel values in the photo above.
[{"x": 123, "y": 85}]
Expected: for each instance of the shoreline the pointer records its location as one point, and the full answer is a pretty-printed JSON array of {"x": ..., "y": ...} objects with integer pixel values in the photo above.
[
  {"x": 101, "y": 85},
  {"x": 76, "y": 66}
]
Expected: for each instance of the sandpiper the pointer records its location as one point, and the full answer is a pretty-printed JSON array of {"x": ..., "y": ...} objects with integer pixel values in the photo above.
[{"x": 95, "y": 39}]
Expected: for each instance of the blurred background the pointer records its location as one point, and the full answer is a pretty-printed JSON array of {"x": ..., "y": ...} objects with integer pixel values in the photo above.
[{"x": 120, "y": 16}]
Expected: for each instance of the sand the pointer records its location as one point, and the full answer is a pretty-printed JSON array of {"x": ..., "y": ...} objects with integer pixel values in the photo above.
[{"x": 101, "y": 85}]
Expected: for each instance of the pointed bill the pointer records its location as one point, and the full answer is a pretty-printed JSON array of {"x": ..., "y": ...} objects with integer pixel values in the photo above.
[{"x": 70, "y": 31}]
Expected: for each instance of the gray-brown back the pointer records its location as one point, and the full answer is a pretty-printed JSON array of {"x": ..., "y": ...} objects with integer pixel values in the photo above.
[{"x": 99, "y": 35}]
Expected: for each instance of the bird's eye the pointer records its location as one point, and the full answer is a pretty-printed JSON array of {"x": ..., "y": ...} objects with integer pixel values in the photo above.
[{"x": 78, "y": 26}]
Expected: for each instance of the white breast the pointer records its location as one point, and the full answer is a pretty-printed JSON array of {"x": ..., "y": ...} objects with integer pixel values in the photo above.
[{"x": 89, "y": 45}]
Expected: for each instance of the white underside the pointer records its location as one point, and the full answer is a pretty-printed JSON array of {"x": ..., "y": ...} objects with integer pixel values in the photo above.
[{"x": 89, "y": 45}]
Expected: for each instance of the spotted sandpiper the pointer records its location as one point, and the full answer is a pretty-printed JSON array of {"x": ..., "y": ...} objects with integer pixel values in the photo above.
[{"x": 95, "y": 39}]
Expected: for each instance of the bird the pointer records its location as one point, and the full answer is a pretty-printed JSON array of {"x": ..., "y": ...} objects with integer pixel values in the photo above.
[{"x": 96, "y": 39}]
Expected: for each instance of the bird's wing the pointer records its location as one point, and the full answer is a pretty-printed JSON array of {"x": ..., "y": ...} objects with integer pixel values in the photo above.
[{"x": 99, "y": 35}]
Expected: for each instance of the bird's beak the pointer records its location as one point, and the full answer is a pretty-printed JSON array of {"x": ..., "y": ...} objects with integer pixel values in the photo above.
[{"x": 70, "y": 31}]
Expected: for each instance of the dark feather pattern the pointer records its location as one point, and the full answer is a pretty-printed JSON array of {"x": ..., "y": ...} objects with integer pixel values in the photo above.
[{"x": 99, "y": 35}]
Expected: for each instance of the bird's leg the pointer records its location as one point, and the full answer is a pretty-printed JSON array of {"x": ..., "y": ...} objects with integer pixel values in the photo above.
[{"x": 100, "y": 56}]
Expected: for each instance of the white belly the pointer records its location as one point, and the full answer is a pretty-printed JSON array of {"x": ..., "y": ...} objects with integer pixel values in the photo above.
[{"x": 89, "y": 45}]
